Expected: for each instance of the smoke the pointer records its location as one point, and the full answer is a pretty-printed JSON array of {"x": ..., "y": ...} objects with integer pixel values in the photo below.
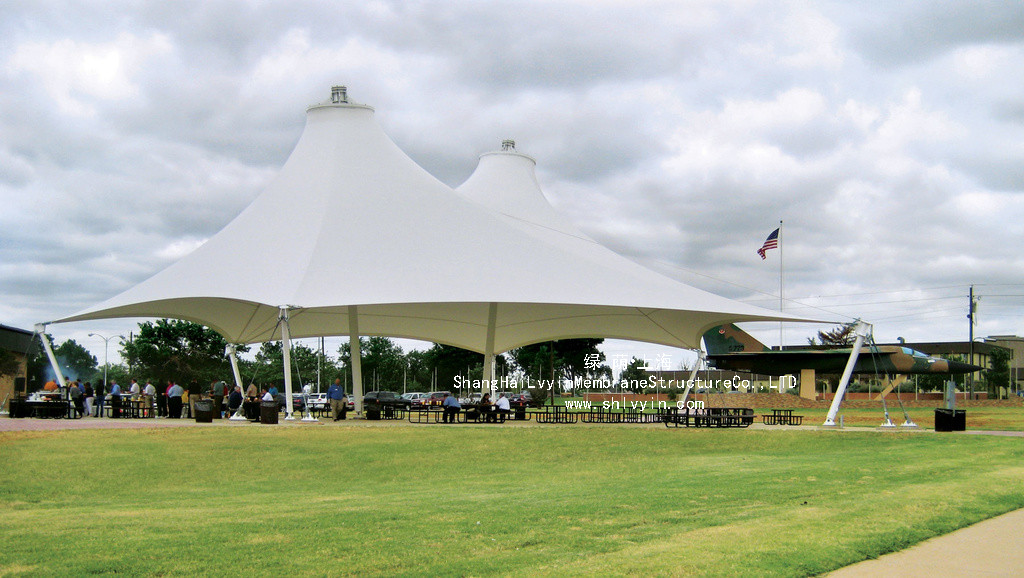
[{"x": 65, "y": 368}]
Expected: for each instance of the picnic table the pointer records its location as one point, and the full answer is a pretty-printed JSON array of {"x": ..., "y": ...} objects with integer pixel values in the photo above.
[
  {"x": 470, "y": 412},
  {"x": 128, "y": 407},
  {"x": 603, "y": 415},
  {"x": 387, "y": 411},
  {"x": 42, "y": 408},
  {"x": 782, "y": 417},
  {"x": 709, "y": 417},
  {"x": 556, "y": 414}
]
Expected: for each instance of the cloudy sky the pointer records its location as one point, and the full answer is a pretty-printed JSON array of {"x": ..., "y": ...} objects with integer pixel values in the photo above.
[{"x": 889, "y": 138}]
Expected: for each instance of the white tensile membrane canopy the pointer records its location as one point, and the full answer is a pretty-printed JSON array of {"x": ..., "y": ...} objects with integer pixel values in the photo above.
[{"x": 354, "y": 238}]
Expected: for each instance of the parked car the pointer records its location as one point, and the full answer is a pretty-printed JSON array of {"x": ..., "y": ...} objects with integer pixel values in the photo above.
[
  {"x": 377, "y": 404},
  {"x": 318, "y": 401},
  {"x": 436, "y": 397},
  {"x": 416, "y": 398},
  {"x": 380, "y": 399},
  {"x": 516, "y": 399}
]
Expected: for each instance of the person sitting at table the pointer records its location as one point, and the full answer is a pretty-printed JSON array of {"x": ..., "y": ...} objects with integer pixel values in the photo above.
[
  {"x": 485, "y": 407},
  {"x": 502, "y": 407},
  {"x": 451, "y": 407},
  {"x": 51, "y": 386},
  {"x": 174, "y": 401},
  {"x": 251, "y": 393},
  {"x": 234, "y": 400}
]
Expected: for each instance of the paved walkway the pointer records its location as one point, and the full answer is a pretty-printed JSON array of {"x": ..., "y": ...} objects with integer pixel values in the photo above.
[{"x": 990, "y": 548}]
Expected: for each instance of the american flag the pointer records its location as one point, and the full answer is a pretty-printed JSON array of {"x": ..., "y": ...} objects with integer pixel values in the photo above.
[{"x": 772, "y": 242}]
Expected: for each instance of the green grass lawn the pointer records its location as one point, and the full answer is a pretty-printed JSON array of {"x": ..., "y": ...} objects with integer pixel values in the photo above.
[
  {"x": 483, "y": 500},
  {"x": 978, "y": 417}
]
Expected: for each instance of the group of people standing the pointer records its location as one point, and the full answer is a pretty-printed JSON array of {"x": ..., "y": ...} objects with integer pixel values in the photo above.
[
  {"x": 87, "y": 400},
  {"x": 172, "y": 402}
]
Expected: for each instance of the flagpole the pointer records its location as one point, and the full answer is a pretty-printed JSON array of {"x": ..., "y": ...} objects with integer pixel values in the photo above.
[{"x": 781, "y": 286}]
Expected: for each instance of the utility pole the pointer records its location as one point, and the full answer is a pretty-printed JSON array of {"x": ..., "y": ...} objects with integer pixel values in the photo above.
[{"x": 971, "y": 320}]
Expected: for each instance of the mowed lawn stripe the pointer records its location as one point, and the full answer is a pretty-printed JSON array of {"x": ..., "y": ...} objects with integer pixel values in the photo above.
[{"x": 487, "y": 500}]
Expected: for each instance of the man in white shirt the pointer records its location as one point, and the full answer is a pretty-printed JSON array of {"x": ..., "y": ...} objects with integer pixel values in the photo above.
[
  {"x": 502, "y": 407},
  {"x": 150, "y": 394}
]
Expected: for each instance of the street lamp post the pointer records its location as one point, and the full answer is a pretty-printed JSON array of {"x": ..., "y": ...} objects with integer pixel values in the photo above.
[{"x": 106, "y": 344}]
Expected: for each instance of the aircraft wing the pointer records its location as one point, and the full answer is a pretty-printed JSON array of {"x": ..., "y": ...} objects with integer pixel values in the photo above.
[{"x": 783, "y": 362}]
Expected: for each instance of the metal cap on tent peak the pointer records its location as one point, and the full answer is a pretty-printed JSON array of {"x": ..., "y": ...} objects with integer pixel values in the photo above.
[
  {"x": 339, "y": 98},
  {"x": 508, "y": 149},
  {"x": 339, "y": 94}
]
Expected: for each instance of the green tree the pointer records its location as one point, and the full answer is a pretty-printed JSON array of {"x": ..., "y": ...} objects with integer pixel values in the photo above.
[
  {"x": 77, "y": 359},
  {"x": 539, "y": 364},
  {"x": 173, "y": 349},
  {"x": 633, "y": 375},
  {"x": 565, "y": 359},
  {"x": 73, "y": 359},
  {"x": 838, "y": 337},
  {"x": 8, "y": 363},
  {"x": 421, "y": 373},
  {"x": 580, "y": 359},
  {"x": 382, "y": 361},
  {"x": 268, "y": 366},
  {"x": 117, "y": 371},
  {"x": 997, "y": 376},
  {"x": 446, "y": 361}
]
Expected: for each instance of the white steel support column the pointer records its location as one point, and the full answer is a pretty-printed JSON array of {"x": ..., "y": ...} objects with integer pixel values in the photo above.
[
  {"x": 41, "y": 331},
  {"x": 861, "y": 330},
  {"x": 693, "y": 375},
  {"x": 355, "y": 358},
  {"x": 286, "y": 349},
  {"x": 487, "y": 379},
  {"x": 232, "y": 354}
]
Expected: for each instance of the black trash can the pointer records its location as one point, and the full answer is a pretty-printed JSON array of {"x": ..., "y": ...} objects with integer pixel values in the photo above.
[
  {"x": 520, "y": 412},
  {"x": 950, "y": 419},
  {"x": 373, "y": 414},
  {"x": 18, "y": 409},
  {"x": 204, "y": 411},
  {"x": 268, "y": 412}
]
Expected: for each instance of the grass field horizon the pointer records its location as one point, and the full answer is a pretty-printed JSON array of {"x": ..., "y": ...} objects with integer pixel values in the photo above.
[{"x": 478, "y": 500}]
